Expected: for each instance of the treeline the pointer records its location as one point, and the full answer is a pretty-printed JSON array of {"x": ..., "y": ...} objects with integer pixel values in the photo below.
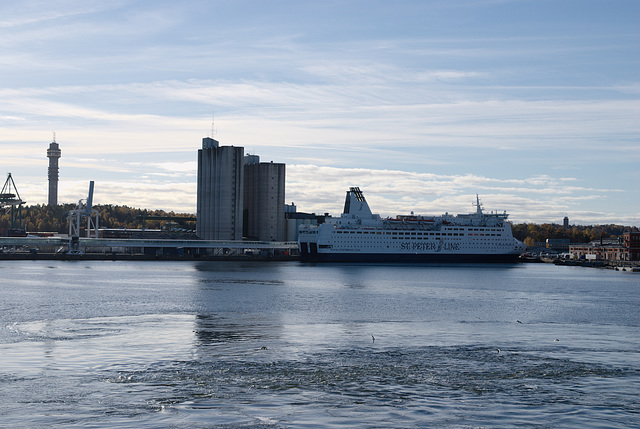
[
  {"x": 45, "y": 218},
  {"x": 531, "y": 233}
]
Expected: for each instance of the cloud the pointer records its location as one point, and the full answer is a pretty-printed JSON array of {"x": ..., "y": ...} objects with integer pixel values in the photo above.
[
  {"x": 321, "y": 189},
  {"x": 35, "y": 12},
  {"x": 337, "y": 118}
]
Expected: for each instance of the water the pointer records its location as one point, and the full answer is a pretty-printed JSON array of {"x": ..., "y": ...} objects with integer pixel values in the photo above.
[{"x": 179, "y": 344}]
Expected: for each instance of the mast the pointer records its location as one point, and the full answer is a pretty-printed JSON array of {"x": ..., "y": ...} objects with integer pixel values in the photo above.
[{"x": 478, "y": 205}]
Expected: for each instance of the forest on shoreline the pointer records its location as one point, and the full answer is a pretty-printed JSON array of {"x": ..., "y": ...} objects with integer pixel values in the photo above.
[{"x": 45, "y": 218}]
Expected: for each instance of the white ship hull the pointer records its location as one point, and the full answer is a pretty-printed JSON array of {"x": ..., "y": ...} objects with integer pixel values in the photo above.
[{"x": 359, "y": 236}]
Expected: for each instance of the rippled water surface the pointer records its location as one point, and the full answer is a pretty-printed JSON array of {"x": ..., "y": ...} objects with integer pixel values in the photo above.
[{"x": 178, "y": 344}]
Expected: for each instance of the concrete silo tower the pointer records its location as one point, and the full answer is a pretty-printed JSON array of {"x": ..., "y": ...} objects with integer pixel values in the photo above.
[
  {"x": 263, "y": 215},
  {"x": 53, "y": 153},
  {"x": 220, "y": 185}
]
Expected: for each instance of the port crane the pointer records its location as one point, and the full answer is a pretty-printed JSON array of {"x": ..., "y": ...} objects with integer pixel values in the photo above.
[
  {"x": 82, "y": 211},
  {"x": 11, "y": 202}
]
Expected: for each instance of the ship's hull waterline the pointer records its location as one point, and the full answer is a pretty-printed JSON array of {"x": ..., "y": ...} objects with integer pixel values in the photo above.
[{"x": 407, "y": 258}]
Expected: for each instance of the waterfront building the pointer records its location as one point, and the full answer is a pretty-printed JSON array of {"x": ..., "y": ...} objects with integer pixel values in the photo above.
[
  {"x": 264, "y": 188},
  {"x": 625, "y": 249},
  {"x": 558, "y": 243},
  {"x": 220, "y": 191},
  {"x": 294, "y": 218},
  {"x": 53, "y": 153},
  {"x": 631, "y": 241}
]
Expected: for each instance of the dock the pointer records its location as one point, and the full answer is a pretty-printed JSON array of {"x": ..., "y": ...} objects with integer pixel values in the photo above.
[{"x": 50, "y": 248}]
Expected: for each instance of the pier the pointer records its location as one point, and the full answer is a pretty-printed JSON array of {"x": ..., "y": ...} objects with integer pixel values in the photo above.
[{"x": 144, "y": 249}]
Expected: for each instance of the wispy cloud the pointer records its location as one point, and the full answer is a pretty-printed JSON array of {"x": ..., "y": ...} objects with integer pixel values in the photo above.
[
  {"x": 322, "y": 110},
  {"x": 321, "y": 189},
  {"x": 32, "y": 12}
]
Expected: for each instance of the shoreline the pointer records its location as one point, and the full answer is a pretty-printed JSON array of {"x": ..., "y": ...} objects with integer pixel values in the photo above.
[
  {"x": 137, "y": 257},
  {"x": 631, "y": 266}
]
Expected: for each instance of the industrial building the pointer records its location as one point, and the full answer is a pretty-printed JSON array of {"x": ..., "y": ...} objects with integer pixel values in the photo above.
[
  {"x": 220, "y": 191},
  {"x": 293, "y": 219},
  {"x": 239, "y": 196},
  {"x": 53, "y": 153},
  {"x": 264, "y": 185}
]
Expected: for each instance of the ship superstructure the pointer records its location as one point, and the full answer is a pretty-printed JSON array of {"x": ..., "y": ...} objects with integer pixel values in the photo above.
[{"x": 359, "y": 235}]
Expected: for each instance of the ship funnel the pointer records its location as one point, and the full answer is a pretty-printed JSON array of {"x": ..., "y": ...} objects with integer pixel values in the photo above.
[{"x": 355, "y": 203}]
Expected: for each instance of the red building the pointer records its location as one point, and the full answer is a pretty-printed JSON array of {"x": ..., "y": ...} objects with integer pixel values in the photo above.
[
  {"x": 625, "y": 249},
  {"x": 631, "y": 241}
]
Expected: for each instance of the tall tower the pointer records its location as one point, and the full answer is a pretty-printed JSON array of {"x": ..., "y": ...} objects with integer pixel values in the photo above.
[
  {"x": 220, "y": 186},
  {"x": 53, "y": 153}
]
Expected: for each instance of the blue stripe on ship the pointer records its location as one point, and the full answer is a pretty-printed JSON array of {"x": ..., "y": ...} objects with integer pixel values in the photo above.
[{"x": 400, "y": 257}]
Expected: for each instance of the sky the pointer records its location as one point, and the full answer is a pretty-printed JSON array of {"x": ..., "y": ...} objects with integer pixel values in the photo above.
[{"x": 534, "y": 105}]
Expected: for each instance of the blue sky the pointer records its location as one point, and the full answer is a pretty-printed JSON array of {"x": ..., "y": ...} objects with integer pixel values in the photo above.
[{"x": 534, "y": 105}]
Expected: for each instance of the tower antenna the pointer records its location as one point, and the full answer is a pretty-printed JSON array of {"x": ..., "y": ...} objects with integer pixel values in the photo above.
[
  {"x": 213, "y": 130},
  {"x": 54, "y": 136}
]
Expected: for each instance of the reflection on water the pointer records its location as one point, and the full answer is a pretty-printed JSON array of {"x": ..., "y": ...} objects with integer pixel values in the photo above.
[
  {"x": 215, "y": 330},
  {"x": 279, "y": 345}
]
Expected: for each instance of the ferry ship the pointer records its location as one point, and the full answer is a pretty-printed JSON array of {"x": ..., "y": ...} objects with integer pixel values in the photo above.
[{"x": 361, "y": 236}]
